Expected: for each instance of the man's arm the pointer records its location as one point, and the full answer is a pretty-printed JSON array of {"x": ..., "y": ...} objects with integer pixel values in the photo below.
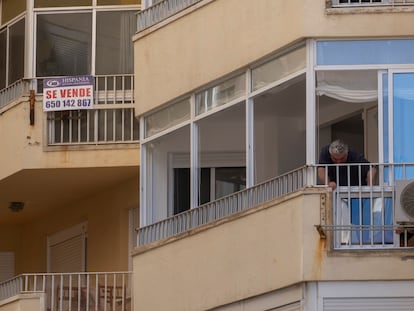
[
  {"x": 324, "y": 178},
  {"x": 371, "y": 176}
]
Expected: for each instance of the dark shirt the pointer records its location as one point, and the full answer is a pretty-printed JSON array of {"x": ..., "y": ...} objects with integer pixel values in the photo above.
[{"x": 356, "y": 177}]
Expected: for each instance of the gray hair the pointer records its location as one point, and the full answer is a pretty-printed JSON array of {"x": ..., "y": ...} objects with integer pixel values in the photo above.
[{"x": 338, "y": 147}]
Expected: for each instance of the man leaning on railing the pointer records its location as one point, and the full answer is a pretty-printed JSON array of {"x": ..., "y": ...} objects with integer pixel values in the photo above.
[{"x": 338, "y": 152}]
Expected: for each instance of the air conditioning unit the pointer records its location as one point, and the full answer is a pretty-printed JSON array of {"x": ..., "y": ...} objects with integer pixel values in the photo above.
[{"x": 404, "y": 201}]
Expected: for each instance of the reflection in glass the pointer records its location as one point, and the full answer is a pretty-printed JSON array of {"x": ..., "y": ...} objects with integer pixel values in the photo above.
[
  {"x": 222, "y": 150},
  {"x": 64, "y": 44},
  {"x": 118, "y": 2},
  {"x": 221, "y": 94},
  {"x": 16, "y": 51},
  {"x": 280, "y": 130},
  {"x": 167, "y": 159},
  {"x": 279, "y": 68},
  {"x": 3, "y": 60},
  {"x": 403, "y": 97},
  {"x": 163, "y": 119},
  {"x": 114, "y": 31},
  {"x": 61, "y": 3}
]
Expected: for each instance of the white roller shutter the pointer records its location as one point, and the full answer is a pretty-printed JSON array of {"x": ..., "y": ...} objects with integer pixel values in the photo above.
[
  {"x": 290, "y": 307},
  {"x": 369, "y": 304},
  {"x": 67, "y": 250}
]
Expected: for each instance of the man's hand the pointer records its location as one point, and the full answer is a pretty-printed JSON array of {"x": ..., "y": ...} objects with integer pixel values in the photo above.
[{"x": 332, "y": 184}]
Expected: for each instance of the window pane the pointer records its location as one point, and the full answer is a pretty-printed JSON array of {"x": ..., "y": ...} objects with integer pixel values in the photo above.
[
  {"x": 403, "y": 111},
  {"x": 11, "y": 9},
  {"x": 16, "y": 51},
  {"x": 220, "y": 94},
  {"x": 278, "y": 68},
  {"x": 167, "y": 160},
  {"x": 64, "y": 44},
  {"x": 229, "y": 180},
  {"x": 167, "y": 117},
  {"x": 222, "y": 145},
  {"x": 61, "y": 3},
  {"x": 279, "y": 120},
  {"x": 365, "y": 52},
  {"x": 118, "y": 2},
  {"x": 3, "y": 62},
  {"x": 114, "y": 42}
]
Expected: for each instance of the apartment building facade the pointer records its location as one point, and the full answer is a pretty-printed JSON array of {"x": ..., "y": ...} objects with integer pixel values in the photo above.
[
  {"x": 235, "y": 99},
  {"x": 69, "y": 176}
]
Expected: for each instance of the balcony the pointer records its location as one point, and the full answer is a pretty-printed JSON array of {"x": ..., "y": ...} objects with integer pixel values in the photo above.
[
  {"x": 70, "y": 291},
  {"x": 161, "y": 11},
  {"x": 360, "y": 216},
  {"x": 359, "y": 3},
  {"x": 111, "y": 121}
]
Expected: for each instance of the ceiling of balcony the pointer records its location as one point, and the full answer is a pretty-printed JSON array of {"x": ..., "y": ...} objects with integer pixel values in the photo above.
[{"x": 45, "y": 190}]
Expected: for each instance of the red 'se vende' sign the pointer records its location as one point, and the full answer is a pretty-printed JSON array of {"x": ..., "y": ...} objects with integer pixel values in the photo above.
[{"x": 68, "y": 93}]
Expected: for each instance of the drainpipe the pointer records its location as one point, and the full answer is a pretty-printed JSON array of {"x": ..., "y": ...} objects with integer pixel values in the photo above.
[{"x": 32, "y": 107}]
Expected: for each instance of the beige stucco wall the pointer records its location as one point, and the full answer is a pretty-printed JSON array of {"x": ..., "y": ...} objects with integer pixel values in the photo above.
[
  {"x": 107, "y": 216},
  {"x": 23, "y": 302},
  {"x": 219, "y": 37},
  {"x": 267, "y": 248},
  {"x": 247, "y": 256},
  {"x": 24, "y": 145}
]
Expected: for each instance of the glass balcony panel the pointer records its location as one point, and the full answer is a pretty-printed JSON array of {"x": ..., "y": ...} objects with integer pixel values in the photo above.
[
  {"x": 61, "y": 3},
  {"x": 167, "y": 117},
  {"x": 3, "y": 60},
  {"x": 16, "y": 51},
  {"x": 119, "y": 2},
  {"x": 220, "y": 94},
  {"x": 63, "y": 44},
  {"x": 278, "y": 68},
  {"x": 113, "y": 32}
]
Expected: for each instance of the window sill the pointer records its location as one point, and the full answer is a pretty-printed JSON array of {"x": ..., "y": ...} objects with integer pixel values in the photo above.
[{"x": 370, "y": 10}]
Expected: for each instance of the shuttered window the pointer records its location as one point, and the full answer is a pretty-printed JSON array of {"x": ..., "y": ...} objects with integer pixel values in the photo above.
[
  {"x": 6, "y": 265},
  {"x": 290, "y": 307},
  {"x": 67, "y": 250},
  {"x": 366, "y": 303}
]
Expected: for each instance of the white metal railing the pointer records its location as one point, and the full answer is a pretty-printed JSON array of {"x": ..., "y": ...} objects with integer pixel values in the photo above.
[
  {"x": 112, "y": 119},
  {"x": 348, "y": 3},
  {"x": 228, "y": 205},
  {"x": 74, "y": 291},
  {"x": 161, "y": 11},
  {"x": 363, "y": 206},
  {"x": 14, "y": 91},
  {"x": 363, "y": 215}
]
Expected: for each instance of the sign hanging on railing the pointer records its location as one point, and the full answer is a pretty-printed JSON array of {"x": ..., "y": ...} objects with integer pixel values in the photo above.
[{"x": 68, "y": 93}]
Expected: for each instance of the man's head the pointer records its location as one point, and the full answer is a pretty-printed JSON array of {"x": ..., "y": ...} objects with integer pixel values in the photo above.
[{"x": 338, "y": 151}]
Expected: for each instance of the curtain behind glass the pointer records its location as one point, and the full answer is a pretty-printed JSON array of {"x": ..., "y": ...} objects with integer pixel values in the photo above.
[
  {"x": 16, "y": 51},
  {"x": 114, "y": 50},
  {"x": 64, "y": 44}
]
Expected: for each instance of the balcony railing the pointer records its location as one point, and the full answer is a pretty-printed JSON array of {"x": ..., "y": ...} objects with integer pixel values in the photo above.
[
  {"x": 236, "y": 202},
  {"x": 13, "y": 92},
  {"x": 161, "y": 11},
  {"x": 350, "y": 3},
  {"x": 74, "y": 291},
  {"x": 112, "y": 119},
  {"x": 363, "y": 216}
]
